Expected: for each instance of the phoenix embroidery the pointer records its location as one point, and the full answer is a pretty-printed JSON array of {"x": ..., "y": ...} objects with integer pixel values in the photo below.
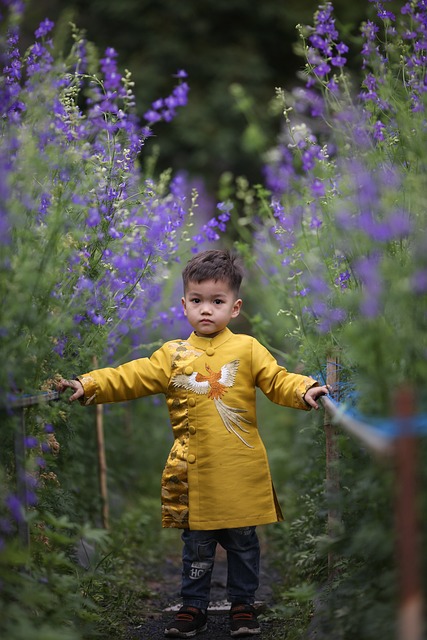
[{"x": 214, "y": 385}]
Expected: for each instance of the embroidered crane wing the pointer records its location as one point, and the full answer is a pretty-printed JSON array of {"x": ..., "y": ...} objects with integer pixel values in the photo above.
[
  {"x": 228, "y": 373},
  {"x": 191, "y": 384}
]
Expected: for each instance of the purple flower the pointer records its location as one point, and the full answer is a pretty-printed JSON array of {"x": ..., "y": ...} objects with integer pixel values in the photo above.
[
  {"x": 329, "y": 320},
  {"x": 419, "y": 281},
  {"x": 399, "y": 224},
  {"x": 333, "y": 85},
  {"x": 309, "y": 157},
  {"x": 6, "y": 528},
  {"x": 379, "y": 129},
  {"x": 367, "y": 270},
  {"x": 96, "y": 318},
  {"x": 341, "y": 48},
  {"x": 317, "y": 188},
  {"x": 384, "y": 14},
  {"x": 15, "y": 508},
  {"x": 60, "y": 345},
  {"x": 44, "y": 28},
  {"x": 93, "y": 217},
  {"x": 152, "y": 116},
  {"x": 322, "y": 69},
  {"x": 338, "y": 61},
  {"x": 318, "y": 42},
  {"x": 31, "y": 442},
  {"x": 45, "y": 201},
  {"x": 343, "y": 279},
  {"x": 315, "y": 223},
  {"x": 31, "y": 497},
  {"x": 114, "y": 233}
]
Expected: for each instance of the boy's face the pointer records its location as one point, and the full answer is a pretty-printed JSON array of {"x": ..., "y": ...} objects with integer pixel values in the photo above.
[{"x": 209, "y": 306}]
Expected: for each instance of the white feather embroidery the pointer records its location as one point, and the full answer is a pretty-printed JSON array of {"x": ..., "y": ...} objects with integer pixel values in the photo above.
[{"x": 190, "y": 383}]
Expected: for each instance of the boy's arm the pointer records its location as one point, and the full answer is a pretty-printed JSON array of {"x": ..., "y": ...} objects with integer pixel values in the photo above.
[
  {"x": 282, "y": 386},
  {"x": 135, "y": 379}
]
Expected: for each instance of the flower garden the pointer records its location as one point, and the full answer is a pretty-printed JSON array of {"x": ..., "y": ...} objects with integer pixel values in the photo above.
[{"x": 91, "y": 242}]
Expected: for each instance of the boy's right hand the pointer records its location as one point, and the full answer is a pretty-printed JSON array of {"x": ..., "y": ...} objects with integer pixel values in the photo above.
[{"x": 75, "y": 385}]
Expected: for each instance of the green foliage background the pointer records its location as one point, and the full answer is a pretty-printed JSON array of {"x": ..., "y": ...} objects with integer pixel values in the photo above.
[{"x": 222, "y": 44}]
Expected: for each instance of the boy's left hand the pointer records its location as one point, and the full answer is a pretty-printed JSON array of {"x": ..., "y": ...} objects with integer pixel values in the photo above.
[{"x": 313, "y": 393}]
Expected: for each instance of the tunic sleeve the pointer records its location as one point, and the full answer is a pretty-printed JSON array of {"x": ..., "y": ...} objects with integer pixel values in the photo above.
[
  {"x": 278, "y": 384},
  {"x": 135, "y": 379}
]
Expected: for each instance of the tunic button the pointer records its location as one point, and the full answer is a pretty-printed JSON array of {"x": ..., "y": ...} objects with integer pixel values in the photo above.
[
  {"x": 192, "y": 429},
  {"x": 210, "y": 351},
  {"x": 191, "y": 458},
  {"x": 188, "y": 371},
  {"x": 192, "y": 402}
]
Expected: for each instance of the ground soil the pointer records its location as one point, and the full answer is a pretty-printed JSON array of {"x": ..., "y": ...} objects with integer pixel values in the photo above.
[{"x": 164, "y": 599}]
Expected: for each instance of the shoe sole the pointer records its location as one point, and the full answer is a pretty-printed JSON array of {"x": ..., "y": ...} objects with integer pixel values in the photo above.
[
  {"x": 174, "y": 633},
  {"x": 245, "y": 631}
]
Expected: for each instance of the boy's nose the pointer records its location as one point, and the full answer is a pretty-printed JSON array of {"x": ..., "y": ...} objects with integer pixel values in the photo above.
[{"x": 206, "y": 309}]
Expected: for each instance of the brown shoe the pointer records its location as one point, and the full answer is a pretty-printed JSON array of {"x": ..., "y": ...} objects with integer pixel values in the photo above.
[{"x": 243, "y": 621}]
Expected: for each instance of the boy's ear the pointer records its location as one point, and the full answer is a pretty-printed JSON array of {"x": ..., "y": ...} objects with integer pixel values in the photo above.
[
  {"x": 183, "y": 306},
  {"x": 236, "y": 308}
]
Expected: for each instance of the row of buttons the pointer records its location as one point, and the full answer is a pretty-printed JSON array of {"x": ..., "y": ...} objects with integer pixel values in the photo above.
[{"x": 191, "y": 459}]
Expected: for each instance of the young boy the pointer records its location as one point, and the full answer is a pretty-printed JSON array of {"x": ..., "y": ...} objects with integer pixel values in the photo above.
[{"x": 216, "y": 484}]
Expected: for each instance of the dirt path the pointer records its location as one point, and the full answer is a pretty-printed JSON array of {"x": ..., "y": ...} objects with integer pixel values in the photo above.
[{"x": 165, "y": 588}]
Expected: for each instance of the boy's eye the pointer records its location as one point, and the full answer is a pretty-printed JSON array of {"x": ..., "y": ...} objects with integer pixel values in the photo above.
[
  {"x": 195, "y": 300},
  {"x": 218, "y": 301}
]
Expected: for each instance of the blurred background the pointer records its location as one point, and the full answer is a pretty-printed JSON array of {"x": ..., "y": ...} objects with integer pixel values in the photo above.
[{"x": 235, "y": 53}]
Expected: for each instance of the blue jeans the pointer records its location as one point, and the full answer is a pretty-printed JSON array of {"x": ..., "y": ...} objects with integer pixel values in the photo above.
[{"x": 198, "y": 556}]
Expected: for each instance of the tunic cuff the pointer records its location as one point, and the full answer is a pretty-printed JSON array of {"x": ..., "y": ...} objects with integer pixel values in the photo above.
[{"x": 90, "y": 389}]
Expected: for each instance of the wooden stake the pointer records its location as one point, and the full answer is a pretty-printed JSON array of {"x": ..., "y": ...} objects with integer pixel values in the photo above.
[
  {"x": 21, "y": 478},
  {"x": 410, "y": 622}
]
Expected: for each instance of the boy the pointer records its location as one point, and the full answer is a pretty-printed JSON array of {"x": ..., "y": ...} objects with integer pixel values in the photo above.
[{"x": 216, "y": 484}]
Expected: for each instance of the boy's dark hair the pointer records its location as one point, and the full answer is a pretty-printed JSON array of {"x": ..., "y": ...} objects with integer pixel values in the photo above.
[{"x": 214, "y": 264}]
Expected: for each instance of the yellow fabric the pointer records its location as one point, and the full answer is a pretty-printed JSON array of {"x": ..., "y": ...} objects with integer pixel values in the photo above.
[{"x": 217, "y": 474}]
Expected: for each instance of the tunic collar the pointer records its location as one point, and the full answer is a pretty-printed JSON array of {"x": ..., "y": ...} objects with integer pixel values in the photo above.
[{"x": 204, "y": 343}]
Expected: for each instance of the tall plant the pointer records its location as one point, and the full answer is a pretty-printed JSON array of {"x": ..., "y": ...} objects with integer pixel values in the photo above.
[
  {"x": 341, "y": 229},
  {"x": 85, "y": 237},
  {"x": 84, "y": 232},
  {"x": 339, "y": 237}
]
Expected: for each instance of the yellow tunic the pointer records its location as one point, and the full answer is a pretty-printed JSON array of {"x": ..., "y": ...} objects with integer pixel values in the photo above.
[{"x": 217, "y": 474}]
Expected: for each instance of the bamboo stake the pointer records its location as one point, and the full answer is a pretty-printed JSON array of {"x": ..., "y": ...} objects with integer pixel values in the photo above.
[
  {"x": 332, "y": 456},
  {"x": 102, "y": 461}
]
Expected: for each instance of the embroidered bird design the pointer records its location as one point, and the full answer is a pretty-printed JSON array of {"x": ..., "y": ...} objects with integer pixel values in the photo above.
[{"x": 214, "y": 385}]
